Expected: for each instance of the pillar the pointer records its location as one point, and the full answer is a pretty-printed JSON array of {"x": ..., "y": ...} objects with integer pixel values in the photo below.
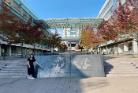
[
  {"x": 125, "y": 47},
  {"x": 25, "y": 52},
  {"x": 120, "y": 48},
  {"x": 135, "y": 46},
  {"x": 9, "y": 51},
  {"x": 0, "y": 51},
  {"x": 115, "y": 50}
]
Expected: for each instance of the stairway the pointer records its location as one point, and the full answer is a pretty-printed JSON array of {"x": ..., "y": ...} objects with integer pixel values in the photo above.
[
  {"x": 13, "y": 68},
  {"x": 121, "y": 67}
]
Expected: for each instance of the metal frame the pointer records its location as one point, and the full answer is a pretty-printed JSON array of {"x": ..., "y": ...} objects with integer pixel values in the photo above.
[{"x": 73, "y": 22}]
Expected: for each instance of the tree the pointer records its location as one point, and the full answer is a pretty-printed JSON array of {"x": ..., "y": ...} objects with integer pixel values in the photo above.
[
  {"x": 63, "y": 47},
  {"x": 122, "y": 22},
  {"x": 7, "y": 20},
  {"x": 89, "y": 38},
  {"x": 107, "y": 31},
  {"x": 53, "y": 41}
]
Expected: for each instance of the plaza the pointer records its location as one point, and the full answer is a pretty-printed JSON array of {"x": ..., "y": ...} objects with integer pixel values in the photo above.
[
  {"x": 121, "y": 77},
  {"x": 76, "y": 50}
]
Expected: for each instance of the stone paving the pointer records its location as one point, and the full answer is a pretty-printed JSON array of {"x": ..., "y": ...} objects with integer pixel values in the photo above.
[
  {"x": 122, "y": 77},
  {"x": 70, "y": 85}
]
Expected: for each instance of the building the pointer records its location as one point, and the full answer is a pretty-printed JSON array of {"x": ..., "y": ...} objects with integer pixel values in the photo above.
[
  {"x": 108, "y": 8},
  {"x": 72, "y": 28},
  {"x": 22, "y": 13},
  {"x": 125, "y": 44}
]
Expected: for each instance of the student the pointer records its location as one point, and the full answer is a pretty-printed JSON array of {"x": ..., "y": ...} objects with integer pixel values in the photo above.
[{"x": 30, "y": 67}]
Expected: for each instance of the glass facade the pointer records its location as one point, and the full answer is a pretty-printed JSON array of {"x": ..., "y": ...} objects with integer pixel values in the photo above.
[
  {"x": 19, "y": 9},
  {"x": 108, "y": 8}
]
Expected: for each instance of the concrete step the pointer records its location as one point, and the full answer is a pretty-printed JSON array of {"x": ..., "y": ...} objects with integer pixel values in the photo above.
[
  {"x": 122, "y": 69},
  {"x": 19, "y": 70},
  {"x": 118, "y": 67},
  {"x": 119, "y": 71},
  {"x": 13, "y": 68},
  {"x": 108, "y": 72},
  {"x": 11, "y": 76},
  {"x": 121, "y": 75},
  {"x": 14, "y": 73},
  {"x": 8, "y": 71}
]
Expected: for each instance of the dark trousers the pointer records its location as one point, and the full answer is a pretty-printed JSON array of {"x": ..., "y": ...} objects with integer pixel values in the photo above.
[{"x": 31, "y": 71}]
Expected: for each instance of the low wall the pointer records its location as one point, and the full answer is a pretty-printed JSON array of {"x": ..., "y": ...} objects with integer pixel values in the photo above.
[{"x": 70, "y": 66}]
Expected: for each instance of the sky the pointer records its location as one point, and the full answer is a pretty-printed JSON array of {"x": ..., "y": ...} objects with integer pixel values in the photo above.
[{"x": 45, "y": 9}]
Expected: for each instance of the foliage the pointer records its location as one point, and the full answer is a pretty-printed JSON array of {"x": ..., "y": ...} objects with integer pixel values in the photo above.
[
  {"x": 89, "y": 38},
  {"x": 123, "y": 21},
  {"x": 15, "y": 30},
  {"x": 107, "y": 32},
  {"x": 63, "y": 47},
  {"x": 7, "y": 20},
  {"x": 54, "y": 40}
]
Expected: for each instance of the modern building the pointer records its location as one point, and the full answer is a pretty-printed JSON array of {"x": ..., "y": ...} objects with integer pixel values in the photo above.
[
  {"x": 108, "y": 8},
  {"x": 18, "y": 8},
  {"x": 72, "y": 28},
  {"x": 125, "y": 44}
]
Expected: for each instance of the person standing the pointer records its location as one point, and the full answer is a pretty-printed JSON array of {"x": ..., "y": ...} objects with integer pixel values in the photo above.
[{"x": 30, "y": 67}]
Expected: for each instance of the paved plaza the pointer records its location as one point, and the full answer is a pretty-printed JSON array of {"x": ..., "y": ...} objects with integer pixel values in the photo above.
[
  {"x": 73, "y": 85},
  {"x": 84, "y": 46},
  {"x": 121, "y": 77}
]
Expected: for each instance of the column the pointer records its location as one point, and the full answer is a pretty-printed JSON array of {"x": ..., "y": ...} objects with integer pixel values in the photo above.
[
  {"x": 98, "y": 49},
  {"x": 0, "y": 51},
  {"x": 9, "y": 51},
  {"x": 115, "y": 50},
  {"x": 70, "y": 46},
  {"x": 125, "y": 47},
  {"x": 25, "y": 52},
  {"x": 135, "y": 46},
  {"x": 120, "y": 48}
]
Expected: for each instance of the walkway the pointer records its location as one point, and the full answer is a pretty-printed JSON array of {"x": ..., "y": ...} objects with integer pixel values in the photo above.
[
  {"x": 122, "y": 77},
  {"x": 73, "y": 85}
]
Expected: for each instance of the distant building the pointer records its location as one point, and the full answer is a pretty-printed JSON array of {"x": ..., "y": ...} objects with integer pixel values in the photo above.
[
  {"x": 72, "y": 28},
  {"x": 71, "y": 33}
]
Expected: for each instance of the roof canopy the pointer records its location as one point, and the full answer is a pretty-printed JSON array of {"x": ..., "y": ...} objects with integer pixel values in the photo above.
[{"x": 73, "y": 22}]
